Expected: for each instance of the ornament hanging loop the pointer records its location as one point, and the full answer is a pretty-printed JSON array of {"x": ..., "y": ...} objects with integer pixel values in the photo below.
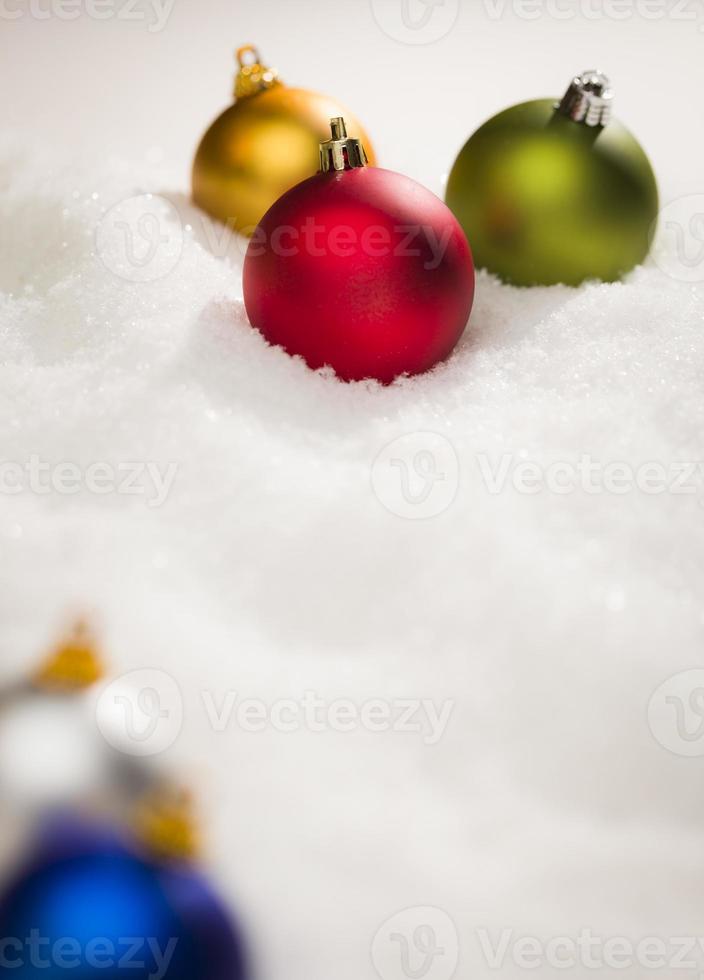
[
  {"x": 588, "y": 100},
  {"x": 247, "y": 55},
  {"x": 253, "y": 76},
  {"x": 341, "y": 152}
]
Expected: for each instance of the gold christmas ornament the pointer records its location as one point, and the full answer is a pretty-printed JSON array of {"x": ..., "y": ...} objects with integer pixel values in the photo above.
[{"x": 264, "y": 144}]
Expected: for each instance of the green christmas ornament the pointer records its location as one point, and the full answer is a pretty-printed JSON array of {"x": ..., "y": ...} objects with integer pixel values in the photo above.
[{"x": 556, "y": 192}]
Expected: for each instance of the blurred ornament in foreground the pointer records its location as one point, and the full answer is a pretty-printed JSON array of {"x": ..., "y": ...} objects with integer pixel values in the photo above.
[
  {"x": 91, "y": 901},
  {"x": 556, "y": 192},
  {"x": 74, "y": 664},
  {"x": 373, "y": 277},
  {"x": 163, "y": 822},
  {"x": 266, "y": 142},
  {"x": 51, "y": 751}
]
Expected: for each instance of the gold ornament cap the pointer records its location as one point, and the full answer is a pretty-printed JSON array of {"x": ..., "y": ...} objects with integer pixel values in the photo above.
[
  {"x": 73, "y": 665},
  {"x": 588, "y": 100},
  {"x": 164, "y": 824},
  {"x": 341, "y": 152},
  {"x": 253, "y": 77}
]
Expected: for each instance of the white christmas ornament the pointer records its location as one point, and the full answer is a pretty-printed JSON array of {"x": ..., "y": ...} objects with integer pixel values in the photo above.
[{"x": 52, "y": 752}]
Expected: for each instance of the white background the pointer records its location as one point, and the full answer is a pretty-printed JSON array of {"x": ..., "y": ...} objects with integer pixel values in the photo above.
[{"x": 116, "y": 84}]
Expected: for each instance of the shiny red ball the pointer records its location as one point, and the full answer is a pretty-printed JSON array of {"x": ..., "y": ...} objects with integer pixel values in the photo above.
[{"x": 363, "y": 270}]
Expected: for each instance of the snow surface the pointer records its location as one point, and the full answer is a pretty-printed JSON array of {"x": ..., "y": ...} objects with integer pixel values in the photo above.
[{"x": 274, "y": 568}]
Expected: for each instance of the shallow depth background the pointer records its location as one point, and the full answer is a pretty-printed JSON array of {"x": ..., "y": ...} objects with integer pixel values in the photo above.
[
  {"x": 131, "y": 86},
  {"x": 273, "y": 568}
]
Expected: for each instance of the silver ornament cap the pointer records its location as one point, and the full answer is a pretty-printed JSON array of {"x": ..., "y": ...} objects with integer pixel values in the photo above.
[{"x": 588, "y": 100}]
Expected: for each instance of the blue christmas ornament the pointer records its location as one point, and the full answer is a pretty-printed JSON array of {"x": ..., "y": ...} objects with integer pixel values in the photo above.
[{"x": 90, "y": 905}]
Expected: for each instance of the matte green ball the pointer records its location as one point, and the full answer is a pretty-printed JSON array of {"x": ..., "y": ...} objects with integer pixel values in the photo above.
[{"x": 545, "y": 200}]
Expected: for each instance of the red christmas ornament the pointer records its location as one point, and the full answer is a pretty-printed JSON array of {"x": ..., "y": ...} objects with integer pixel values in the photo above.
[{"x": 361, "y": 269}]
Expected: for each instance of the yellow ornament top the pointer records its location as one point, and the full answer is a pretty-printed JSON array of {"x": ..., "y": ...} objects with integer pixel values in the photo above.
[
  {"x": 253, "y": 76},
  {"x": 164, "y": 824},
  {"x": 73, "y": 665}
]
